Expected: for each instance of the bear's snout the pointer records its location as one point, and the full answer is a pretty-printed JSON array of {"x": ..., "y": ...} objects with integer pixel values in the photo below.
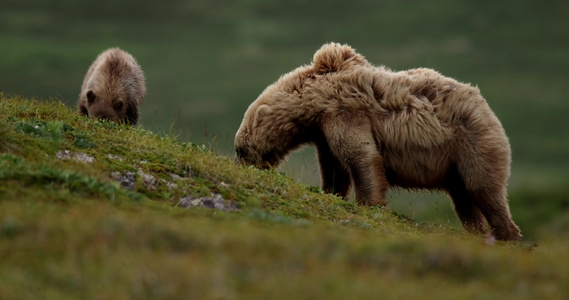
[
  {"x": 248, "y": 157},
  {"x": 244, "y": 157}
]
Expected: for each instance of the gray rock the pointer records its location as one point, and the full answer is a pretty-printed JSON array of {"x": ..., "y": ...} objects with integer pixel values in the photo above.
[
  {"x": 126, "y": 179},
  {"x": 216, "y": 201},
  {"x": 80, "y": 157}
]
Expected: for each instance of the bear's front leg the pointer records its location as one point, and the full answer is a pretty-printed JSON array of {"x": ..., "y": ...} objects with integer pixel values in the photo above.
[
  {"x": 368, "y": 174},
  {"x": 352, "y": 142},
  {"x": 335, "y": 178}
]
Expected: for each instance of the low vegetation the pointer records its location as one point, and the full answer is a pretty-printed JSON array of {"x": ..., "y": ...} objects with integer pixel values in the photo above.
[{"x": 93, "y": 209}]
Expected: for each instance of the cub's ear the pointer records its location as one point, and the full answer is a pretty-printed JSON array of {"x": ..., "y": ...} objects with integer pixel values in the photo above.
[
  {"x": 335, "y": 57},
  {"x": 91, "y": 97}
]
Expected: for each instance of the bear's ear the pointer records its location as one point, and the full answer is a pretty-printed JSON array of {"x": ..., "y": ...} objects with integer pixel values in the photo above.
[
  {"x": 261, "y": 112},
  {"x": 335, "y": 57}
]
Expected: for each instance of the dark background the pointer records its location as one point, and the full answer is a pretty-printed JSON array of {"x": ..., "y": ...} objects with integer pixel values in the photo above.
[{"x": 205, "y": 61}]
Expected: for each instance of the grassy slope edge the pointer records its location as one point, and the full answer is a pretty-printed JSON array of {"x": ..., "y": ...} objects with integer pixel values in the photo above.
[{"x": 69, "y": 230}]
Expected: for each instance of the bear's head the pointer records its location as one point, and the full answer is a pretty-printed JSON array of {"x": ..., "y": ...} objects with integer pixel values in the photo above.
[
  {"x": 283, "y": 118},
  {"x": 114, "y": 89},
  {"x": 108, "y": 106},
  {"x": 261, "y": 140}
]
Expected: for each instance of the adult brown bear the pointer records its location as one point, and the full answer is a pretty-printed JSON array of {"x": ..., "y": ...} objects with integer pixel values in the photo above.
[
  {"x": 113, "y": 88},
  {"x": 378, "y": 129}
]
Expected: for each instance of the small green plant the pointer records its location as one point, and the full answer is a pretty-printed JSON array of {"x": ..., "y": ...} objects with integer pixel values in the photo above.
[
  {"x": 315, "y": 189},
  {"x": 51, "y": 132},
  {"x": 83, "y": 141}
]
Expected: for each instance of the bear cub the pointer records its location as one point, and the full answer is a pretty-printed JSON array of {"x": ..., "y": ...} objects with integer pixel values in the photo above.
[
  {"x": 113, "y": 88},
  {"x": 376, "y": 129}
]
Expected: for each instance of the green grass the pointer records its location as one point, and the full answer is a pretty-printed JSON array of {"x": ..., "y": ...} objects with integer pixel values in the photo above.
[
  {"x": 206, "y": 61},
  {"x": 69, "y": 231}
]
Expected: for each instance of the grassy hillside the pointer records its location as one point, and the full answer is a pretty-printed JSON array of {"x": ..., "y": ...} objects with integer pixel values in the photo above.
[
  {"x": 96, "y": 210},
  {"x": 205, "y": 61}
]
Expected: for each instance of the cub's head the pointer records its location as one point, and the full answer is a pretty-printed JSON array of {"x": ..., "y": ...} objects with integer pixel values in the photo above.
[
  {"x": 284, "y": 116},
  {"x": 108, "y": 106}
]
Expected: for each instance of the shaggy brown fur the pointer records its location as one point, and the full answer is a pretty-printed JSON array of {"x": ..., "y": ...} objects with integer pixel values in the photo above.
[
  {"x": 380, "y": 129},
  {"x": 113, "y": 88}
]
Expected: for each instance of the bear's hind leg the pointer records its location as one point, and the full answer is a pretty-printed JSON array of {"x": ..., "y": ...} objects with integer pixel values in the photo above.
[
  {"x": 464, "y": 205},
  {"x": 484, "y": 174},
  {"x": 494, "y": 205},
  {"x": 335, "y": 178}
]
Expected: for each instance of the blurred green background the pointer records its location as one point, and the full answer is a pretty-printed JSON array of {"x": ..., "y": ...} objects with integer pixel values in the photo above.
[{"x": 205, "y": 61}]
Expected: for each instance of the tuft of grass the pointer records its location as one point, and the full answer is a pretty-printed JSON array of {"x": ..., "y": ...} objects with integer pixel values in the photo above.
[{"x": 7, "y": 140}]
